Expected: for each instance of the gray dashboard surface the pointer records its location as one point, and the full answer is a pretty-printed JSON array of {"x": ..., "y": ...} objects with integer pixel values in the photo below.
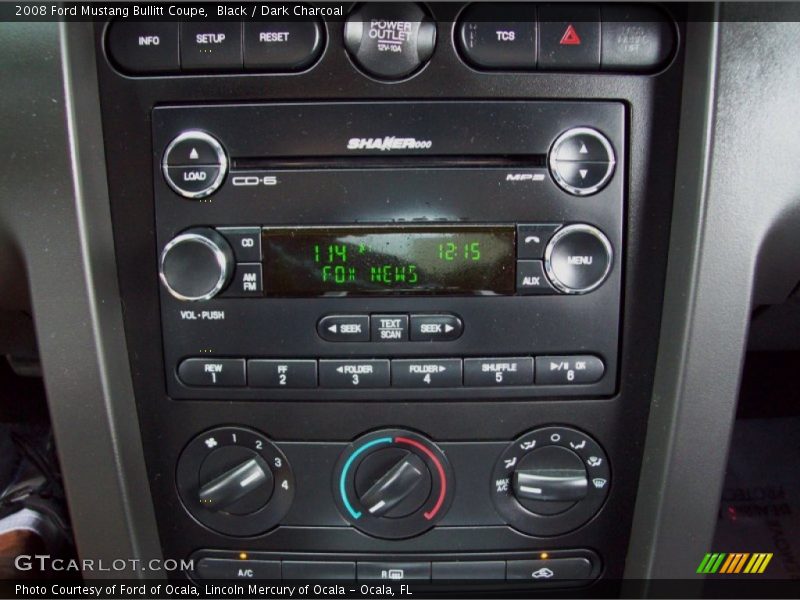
[
  {"x": 54, "y": 207},
  {"x": 737, "y": 184}
]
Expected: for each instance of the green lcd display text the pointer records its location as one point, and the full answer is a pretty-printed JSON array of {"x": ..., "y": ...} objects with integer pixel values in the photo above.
[{"x": 388, "y": 260}]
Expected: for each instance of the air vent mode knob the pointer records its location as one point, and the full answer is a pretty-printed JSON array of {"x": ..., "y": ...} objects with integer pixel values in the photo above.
[
  {"x": 550, "y": 481},
  {"x": 196, "y": 265}
]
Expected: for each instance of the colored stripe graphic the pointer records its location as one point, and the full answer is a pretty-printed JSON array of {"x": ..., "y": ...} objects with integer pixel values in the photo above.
[
  {"x": 713, "y": 568},
  {"x": 711, "y": 563},
  {"x": 737, "y": 563},
  {"x": 704, "y": 563},
  {"x": 729, "y": 562},
  {"x": 767, "y": 558},
  {"x": 734, "y": 563},
  {"x": 755, "y": 561},
  {"x": 741, "y": 562}
]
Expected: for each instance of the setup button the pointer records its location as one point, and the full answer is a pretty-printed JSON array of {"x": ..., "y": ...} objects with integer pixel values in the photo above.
[{"x": 344, "y": 328}]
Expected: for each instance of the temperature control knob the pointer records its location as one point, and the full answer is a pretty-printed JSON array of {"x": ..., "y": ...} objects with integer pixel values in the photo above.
[
  {"x": 393, "y": 484},
  {"x": 196, "y": 265},
  {"x": 235, "y": 481}
]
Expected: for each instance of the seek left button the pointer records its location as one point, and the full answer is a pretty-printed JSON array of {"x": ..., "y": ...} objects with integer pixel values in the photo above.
[
  {"x": 209, "y": 372},
  {"x": 344, "y": 328}
]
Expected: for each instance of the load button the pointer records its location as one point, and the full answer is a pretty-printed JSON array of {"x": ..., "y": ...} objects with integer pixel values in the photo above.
[{"x": 436, "y": 328}]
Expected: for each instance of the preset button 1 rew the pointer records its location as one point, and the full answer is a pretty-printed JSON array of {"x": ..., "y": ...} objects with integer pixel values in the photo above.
[{"x": 210, "y": 372}]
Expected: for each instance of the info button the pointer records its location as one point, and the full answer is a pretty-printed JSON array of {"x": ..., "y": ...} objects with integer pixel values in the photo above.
[{"x": 344, "y": 328}]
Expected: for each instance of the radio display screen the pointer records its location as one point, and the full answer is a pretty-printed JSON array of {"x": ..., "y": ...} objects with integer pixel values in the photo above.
[{"x": 389, "y": 260}]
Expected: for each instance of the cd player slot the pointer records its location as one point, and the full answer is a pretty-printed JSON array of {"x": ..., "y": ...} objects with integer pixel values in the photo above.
[{"x": 527, "y": 161}]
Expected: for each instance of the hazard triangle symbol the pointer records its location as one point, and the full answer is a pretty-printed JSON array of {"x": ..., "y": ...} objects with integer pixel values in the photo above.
[{"x": 570, "y": 37}]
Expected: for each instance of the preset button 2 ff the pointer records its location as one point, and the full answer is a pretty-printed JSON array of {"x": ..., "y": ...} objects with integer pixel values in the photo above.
[{"x": 288, "y": 374}]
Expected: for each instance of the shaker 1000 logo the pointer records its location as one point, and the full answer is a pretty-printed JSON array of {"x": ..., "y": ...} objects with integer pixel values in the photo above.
[{"x": 388, "y": 143}]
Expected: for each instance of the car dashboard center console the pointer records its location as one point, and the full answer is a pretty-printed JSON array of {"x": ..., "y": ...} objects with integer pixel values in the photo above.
[{"x": 391, "y": 281}]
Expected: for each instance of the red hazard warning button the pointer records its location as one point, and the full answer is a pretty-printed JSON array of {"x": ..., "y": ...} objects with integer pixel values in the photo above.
[{"x": 569, "y": 37}]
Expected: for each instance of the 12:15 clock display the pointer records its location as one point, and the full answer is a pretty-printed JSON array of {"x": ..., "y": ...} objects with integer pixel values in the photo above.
[{"x": 389, "y": 260}]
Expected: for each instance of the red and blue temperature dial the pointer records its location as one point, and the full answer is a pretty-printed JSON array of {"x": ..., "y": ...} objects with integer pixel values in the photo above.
[{"x": 393, "y": 484}]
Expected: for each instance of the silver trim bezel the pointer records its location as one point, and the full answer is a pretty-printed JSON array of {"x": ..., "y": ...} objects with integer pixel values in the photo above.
[
  {"x": 222, "y": 163},
  {"x": 553, "y": 161},
  {"x": 561, "y": 234},
  {"x": 218, "y": 253}
]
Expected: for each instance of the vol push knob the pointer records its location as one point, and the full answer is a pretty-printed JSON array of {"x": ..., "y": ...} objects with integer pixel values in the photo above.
[{"x": 196, "y": 265}]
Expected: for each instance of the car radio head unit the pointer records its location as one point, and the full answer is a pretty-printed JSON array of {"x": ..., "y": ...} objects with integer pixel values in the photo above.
[{"x": 323, "y": 241}]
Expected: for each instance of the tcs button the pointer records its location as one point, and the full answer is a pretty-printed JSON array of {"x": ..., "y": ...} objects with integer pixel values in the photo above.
[{"x": 499, "y": 35}]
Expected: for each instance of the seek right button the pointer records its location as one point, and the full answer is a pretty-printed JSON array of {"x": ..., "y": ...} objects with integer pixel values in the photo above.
[
  {"x": 435, "y": 328},
  {"x": 568, "y": 370}
]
